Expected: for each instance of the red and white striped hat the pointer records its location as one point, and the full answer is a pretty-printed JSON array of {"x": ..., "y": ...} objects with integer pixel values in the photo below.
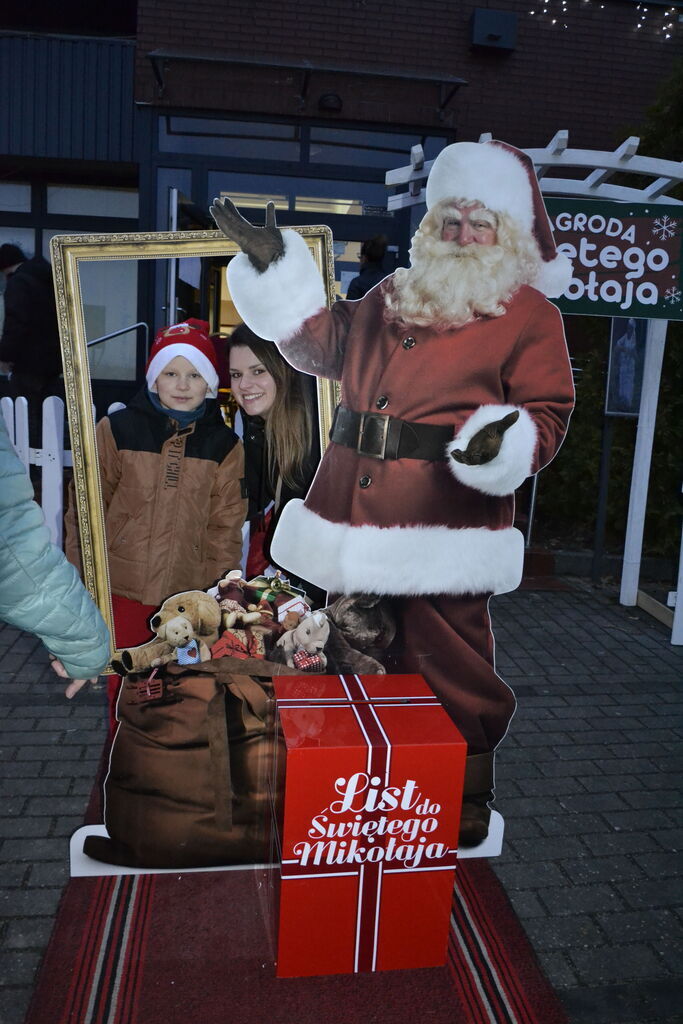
[{"x": 191, "y": 340}]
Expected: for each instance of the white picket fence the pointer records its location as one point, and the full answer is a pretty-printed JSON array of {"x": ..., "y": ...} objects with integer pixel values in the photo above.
[{"x": 51, "y": 458}]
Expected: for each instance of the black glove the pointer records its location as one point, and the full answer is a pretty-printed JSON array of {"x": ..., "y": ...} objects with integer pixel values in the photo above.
[
  {"x": 262, "y": 245},
  {"x": 486, "y": 443}
]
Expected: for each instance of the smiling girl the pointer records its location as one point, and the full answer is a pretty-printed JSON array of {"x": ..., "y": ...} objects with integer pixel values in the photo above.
[{"x": 275, "y": 422}]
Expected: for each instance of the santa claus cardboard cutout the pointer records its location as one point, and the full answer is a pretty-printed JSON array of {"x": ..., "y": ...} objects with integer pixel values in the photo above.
[{"x": 455, "y": 387}]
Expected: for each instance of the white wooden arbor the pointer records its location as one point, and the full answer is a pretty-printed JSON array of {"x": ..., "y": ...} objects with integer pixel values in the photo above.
[{"x": 600, "y": 167}]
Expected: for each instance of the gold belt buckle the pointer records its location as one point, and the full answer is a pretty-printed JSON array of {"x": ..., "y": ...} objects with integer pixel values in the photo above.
[{"x": 366, "y": 417}]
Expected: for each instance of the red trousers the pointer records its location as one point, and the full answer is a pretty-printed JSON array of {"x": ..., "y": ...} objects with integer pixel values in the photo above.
[
  {"x": 131, "y": 628},
  {"x": 448, "y": 640}
]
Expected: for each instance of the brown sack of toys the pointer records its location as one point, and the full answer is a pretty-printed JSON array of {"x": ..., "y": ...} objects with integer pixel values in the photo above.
[
  {"x": 186, "y": 784},
  {"x": 187, "y": 779}
]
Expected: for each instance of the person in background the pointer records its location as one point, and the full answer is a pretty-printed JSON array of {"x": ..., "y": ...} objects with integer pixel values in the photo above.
[
  {"x": 275, "y": 421},
  {"x": 30, "y": 347},
  {"x": 371, "y": 270},
  {"x": 39, "y": 590},
  {"x": 172, "y": 473}
]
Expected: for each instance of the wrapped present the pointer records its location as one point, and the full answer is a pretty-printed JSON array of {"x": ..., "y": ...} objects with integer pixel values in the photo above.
[
  {"x": 239, "y": 643},
  {"x": 280, "y": 593},
  {"x": 366, "y": 786},
  {"x": 307, "y": 662}
]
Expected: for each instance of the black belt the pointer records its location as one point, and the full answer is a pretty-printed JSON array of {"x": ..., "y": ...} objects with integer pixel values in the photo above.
[{"x": 385, "y": 437}]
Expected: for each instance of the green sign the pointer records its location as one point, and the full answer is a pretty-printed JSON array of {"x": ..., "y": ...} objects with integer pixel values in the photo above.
[{"x": 626, "y": 256}]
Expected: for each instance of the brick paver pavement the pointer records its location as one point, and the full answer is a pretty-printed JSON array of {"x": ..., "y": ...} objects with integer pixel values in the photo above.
[{"x": 587, "y": 783}]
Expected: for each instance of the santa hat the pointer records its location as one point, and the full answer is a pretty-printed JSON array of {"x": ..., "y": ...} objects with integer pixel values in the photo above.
[
  {"x": 503, "y": 179},
  {"x": 190, "y": 339}
]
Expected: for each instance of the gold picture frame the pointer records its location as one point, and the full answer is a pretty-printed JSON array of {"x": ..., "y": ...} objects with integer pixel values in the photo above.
[{"x": 69, "y": 253}]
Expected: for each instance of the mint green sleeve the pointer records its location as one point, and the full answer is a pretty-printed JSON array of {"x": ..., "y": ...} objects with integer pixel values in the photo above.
[{"x": 40, "y": 591}]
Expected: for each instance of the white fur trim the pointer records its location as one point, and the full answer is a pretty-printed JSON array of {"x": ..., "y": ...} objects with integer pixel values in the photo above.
[
  {"x": 512, "y": 464},
  {"x": 475, "y": 170},
  {"x": 554, "y": 276},
  {"x": 193, "y": 355},
  {"x": 275, "y": 303},
  {"x": 398, "y": 560}
]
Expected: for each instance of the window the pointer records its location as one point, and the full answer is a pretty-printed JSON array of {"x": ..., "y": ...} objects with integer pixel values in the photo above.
[
  {"x": 243, "y": 139},
  {"x": 319, "y": 195},
  {"x": 257, "y": 200},
  {"x": 25, "y": 238},
  {"x": 321, "y": 204},
  {"x": 15, "y": 197},
  {"x": 109, "y": 290},
  {"x": 81, "y": 201},
  {"x": 368, "y": 148}
]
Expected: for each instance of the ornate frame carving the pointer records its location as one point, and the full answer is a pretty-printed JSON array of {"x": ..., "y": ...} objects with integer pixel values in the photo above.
[{"x": 68, "y": 253}]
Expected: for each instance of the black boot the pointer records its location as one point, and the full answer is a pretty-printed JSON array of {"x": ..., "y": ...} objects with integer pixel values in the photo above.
[{"x": 477, "y": 797}]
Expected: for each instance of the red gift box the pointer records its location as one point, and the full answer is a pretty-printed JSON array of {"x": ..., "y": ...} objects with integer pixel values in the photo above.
[
  {"x": 366, "y": 789},
  {"x": 278, "y": 591}
]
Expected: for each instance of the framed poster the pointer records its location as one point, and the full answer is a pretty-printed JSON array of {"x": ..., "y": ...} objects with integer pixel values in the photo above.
[{"x": 625, "y": 371}]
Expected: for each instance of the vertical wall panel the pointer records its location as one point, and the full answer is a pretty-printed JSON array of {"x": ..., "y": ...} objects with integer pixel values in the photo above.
[
  {"x": 67, "y": 98},
  {"x": 40, "y": 106}
]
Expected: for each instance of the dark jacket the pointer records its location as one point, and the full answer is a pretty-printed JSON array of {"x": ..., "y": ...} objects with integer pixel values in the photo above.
[
  {"x": 172, "y": 499},
  {"x": 30, "y": 337},
  {"x": 261, "y": 489},
  {"x": 370, "y": 275}
]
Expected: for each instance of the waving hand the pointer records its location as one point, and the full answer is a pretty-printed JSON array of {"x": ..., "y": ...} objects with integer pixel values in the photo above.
[{"x": 262, "y": 245}]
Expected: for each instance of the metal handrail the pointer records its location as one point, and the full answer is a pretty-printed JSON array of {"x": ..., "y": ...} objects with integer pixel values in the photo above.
[{"x": 124, "y": 330}]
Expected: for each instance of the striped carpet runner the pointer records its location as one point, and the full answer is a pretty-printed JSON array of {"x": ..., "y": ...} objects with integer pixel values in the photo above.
[
  {"x": 110, "y": 962},
  {"x": 120, "y": 930}
]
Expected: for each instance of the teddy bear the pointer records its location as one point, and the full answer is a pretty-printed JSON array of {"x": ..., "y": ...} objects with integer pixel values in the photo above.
[
  {"x": 291, "y": 620},
  {"x": 234, "y": 597},
  {"x": 302, "y": 646},
  {"x": 186, "y": 626},
  {"x": 365, "y": 621},
  {"x": 340, "y": 655}
]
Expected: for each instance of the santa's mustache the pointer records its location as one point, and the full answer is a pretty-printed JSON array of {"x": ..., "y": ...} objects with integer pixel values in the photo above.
[
  {"x": 462, "y": 253},
  {"x": 438, "y": 251}
]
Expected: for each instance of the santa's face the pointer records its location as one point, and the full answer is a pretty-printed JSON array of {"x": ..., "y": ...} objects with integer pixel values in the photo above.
[
  {"x": 465, "y": 262},
  {"x": 469, "y": 224}
]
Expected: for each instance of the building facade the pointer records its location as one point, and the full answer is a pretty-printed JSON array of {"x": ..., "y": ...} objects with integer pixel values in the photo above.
[{"x": 305, "y": 104}]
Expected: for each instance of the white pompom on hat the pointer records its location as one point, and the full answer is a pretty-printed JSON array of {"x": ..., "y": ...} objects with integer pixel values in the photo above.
[
  {"x": 503, "y": 179},
  {"x": 191, "y": 340}
]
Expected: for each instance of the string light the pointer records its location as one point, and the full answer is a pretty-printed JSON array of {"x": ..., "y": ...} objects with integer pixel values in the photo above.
[{"x": 558, "y": 12}]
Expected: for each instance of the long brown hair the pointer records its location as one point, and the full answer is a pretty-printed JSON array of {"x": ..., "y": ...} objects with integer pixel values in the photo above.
[{"x": 289, "y": 424}]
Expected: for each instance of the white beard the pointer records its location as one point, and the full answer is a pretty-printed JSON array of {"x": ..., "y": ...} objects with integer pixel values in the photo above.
[{"x": 448, "y": 285}]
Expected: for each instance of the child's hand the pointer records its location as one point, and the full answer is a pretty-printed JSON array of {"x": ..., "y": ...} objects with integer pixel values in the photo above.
[{"x": 75, "y": 685}]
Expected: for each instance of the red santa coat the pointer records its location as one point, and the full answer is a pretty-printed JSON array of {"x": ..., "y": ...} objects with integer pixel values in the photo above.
[{"x": 408, "y": 526}]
